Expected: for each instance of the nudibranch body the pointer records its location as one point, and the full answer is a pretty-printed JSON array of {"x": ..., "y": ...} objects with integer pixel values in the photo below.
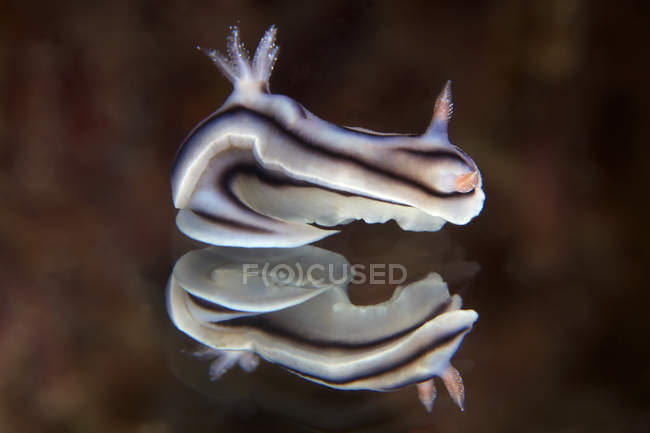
[
  {"x": 262, "y": 168},
  {"x": 308, "y": 325}
]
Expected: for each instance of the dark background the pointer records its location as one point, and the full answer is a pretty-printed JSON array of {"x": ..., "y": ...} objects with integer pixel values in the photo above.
[{"x": 551, "y": 100}]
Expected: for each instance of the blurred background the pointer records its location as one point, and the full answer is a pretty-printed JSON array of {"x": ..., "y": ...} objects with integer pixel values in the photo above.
[{"x": 551, "y": 100}]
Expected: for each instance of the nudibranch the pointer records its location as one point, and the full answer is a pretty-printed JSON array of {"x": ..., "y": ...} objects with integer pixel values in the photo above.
[
  {"x": 261, "y": 169},
  {"x": 308, "y": 325}
]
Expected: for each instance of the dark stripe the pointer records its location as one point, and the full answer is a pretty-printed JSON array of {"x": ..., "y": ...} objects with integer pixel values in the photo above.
[
  {"x": 261, "y": 323},
  {"x": 414, "y": 357},
  {"x": 316, "y": 346},
  {"x": 207, "y": 305},
  {"x": 437, "y": 154},
  {"x": 373, "y": 133},
  {"x": 228, "y": 222},
  {"x": 224, "y": 183},
  {"x": 316, "y": 147},
  {"x": 266, "y": 176}
]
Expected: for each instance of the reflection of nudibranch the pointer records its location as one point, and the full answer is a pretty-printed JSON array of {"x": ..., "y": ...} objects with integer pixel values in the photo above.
[
  {"x": 262, "y": 168},
  {"x": 312, "y": 329}
]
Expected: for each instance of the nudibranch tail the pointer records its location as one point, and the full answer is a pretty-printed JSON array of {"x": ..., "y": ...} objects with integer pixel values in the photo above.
[{"x": 237, "y": 67}]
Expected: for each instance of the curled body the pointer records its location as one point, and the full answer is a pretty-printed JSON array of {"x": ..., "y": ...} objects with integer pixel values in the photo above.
[{"x": 262, "y": 169}]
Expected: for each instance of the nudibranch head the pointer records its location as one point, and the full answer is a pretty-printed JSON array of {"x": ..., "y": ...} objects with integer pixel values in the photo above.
[
  {"x": 457, "y": 172},
  {"x": 445, "y": 181}
]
